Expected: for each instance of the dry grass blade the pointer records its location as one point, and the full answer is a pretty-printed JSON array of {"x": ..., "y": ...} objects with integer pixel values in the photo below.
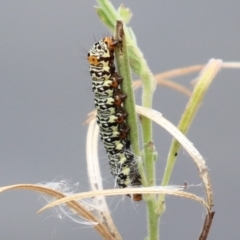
[
  {"x": 91, "y": 116},
  {"x": 92, "y": 157},
  {"x": 165, "y": 82},
  {"x": 166, "y": 190},
  {"x": 180, "y": 71},
  {"x": 95, "y": 178},
  {"x": 187, "y": 145},
  {"x": 75, "y": 206},
  {"x": 231, "y": 65}
]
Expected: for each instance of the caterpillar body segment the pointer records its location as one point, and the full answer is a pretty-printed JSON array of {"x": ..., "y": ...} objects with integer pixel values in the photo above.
[{"x": 111, "y": 116}]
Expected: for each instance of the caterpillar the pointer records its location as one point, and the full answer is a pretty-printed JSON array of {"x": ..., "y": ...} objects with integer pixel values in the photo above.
[{"x": 111, "y": 116}]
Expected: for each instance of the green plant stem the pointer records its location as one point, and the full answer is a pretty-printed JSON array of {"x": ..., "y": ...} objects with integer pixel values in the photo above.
[
  {"x": 109, "y": 16},
  {"x": 153, "y": 221},
  {"x": 147, "y": 129},
  {"x": 121, "y": 55}
]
